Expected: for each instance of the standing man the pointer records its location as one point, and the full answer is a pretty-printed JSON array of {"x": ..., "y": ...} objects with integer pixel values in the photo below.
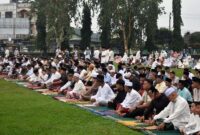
[
  {"x": 7, "y": 53},
  {"x": 87, "y": 53},
  {"x": 111, "y": 56},
  {"x": 16, "y": 52}
]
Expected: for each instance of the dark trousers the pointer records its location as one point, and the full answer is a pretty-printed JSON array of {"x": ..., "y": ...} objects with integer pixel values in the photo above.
[{"x": 135, "y": 113}]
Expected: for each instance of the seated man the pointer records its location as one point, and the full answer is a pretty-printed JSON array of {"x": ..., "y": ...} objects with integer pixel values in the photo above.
[
  {"x": 121, "y": 94},
  {"x": 132, "y": 99},
  {"x": 104, "y": 94},
  {"x": 55, "y": 75},
  {"x": 67, "y": 86},
  {"x": 78, "y": 89},
  {"x": 91, "y": 90},
  {"x": 61, "y": 81},
  {"x": 176, "y": 114},
  {"x": 193, "y": 126},
  {"x": 144, "y": 103},
  {"x": 158, "y": 103},
  {"x": 184, "y": 92}
]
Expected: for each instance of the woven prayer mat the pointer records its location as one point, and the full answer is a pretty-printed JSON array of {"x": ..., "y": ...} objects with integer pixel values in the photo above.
[
  {"x": 49, "y": 93},
  {"x": 62, "y": 98},
  {"x": 41, "y": 90}
]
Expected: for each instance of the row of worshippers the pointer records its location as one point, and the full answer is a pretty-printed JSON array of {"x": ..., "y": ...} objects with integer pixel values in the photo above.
[{"x": 154, "y": 96}]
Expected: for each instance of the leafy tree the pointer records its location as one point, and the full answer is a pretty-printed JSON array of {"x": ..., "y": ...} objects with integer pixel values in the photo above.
[
  {"x": 86, "y": 31},
  {"x": 177, "y": 43}
]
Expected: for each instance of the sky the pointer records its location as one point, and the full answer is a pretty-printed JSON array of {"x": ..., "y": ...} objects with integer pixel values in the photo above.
[{"x": 190, "y": 15}]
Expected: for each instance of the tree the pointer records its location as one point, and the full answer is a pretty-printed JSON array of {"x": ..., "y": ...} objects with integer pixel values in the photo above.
[
  {"x": 177, "y": 43},
  {"x": 163, "y": 37},
  {"x": 59, "y": 16},
  {"x": 104, "y": 22},
  {"x": 86, "y": 31},
  {"x": 37, "y": 7},
  {"x": 152, "y": 12}
]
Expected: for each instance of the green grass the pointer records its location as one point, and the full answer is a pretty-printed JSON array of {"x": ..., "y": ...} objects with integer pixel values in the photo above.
[{"x": 24, "y": 112}]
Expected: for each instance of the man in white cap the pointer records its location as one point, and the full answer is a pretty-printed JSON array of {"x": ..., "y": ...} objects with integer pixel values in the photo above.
[
  {"x": 176, "y": 114},
  {"x": 132, "y": 99},
  {"x": 78, "y": 89}
]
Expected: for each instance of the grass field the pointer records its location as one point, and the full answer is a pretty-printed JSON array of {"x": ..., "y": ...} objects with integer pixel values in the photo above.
[{"x": 24, "y": 112}]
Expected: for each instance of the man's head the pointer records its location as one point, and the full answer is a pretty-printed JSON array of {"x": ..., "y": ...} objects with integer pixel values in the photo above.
[
  {"x": 70, "y": 77},
  {"x": 181, "y": 84},
  {"x": 172, "y": 74},
  {"x": 171, "y": 94},
  {"x": 128, "y": 86},
  {"x": 195, "y": 83},
  {"x": 142, "y": 78},
  {"x": 76, "y": 77},
  {"x": 147, "y": 84},
  {"x": 100, "y": 80},
  {"x": 185, "y": 75},
  {"x": 159, "y": 79},
  {"x": 197, "y": 108},
  {"x": 120, "y": 84},
  {"x": 53, "y": 69},
  {"x": 168, "y": 82}
]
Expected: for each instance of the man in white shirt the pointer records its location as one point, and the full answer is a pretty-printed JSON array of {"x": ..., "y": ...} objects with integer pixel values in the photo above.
[
  {"x": 79, "y": 88},
  {"x": 87, "y": 53},
  {"x": 111, "y": 55},
  {"x": 7, "y": 53},
  {"x": 132, "y": 99},
  {"x": 96, "y": 54},
  {"x": 104, "y": 94},
  {"x": 176, "y": 114},
  {"x": 196, "y": 89},
  {"x": 160, "y": 84},
  {"x": 55, "y": 75}
]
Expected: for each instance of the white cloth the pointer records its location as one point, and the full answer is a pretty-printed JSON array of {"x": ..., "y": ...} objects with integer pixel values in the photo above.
[
  {"x": 104, "y": 94},
  {"x": 111, "y": 55},
  {"x": 79, "y": 87},
  {"x": 66, "y": 86},
  {"x": 196, "y": 95},
  {"x": 96, "y": 54},
  {"x": 132, "y": 99},
  {"x": 177, "y": 112},
  {"x": 53, "y": 77}
]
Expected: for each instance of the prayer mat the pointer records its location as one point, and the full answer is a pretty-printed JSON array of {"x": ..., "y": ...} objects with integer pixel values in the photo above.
[
  {"x": 128, "y": 123},
  {"x": 62, "y": 98},
  {"x": 41, "y": 90},
  {"x": 49, "y": 93}
]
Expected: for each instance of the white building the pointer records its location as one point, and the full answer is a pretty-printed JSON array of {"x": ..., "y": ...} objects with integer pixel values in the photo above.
[{"x": 15, "y": 21}]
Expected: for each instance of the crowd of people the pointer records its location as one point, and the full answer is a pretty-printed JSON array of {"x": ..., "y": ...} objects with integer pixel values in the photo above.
[{"x": 141, "y": 87}]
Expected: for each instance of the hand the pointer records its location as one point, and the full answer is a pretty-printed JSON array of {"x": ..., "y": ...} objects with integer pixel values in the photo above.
[
  {"x": 93, "y": 100},
  {"x": 132, "y": 109},
  {"x": 161, "y": 126}
]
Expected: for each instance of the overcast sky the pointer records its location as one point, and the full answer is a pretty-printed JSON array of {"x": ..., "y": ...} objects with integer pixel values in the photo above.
[{"x": 190, "y": 15}]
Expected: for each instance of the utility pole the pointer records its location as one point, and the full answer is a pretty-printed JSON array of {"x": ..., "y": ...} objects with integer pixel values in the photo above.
[{"x": 170, "y": 19}]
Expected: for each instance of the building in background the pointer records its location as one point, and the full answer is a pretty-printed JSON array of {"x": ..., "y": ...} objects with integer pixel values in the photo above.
[{"x": 16, "y": 21}]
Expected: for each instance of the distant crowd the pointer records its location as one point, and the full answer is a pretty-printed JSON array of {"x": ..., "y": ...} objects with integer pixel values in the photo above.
[{"x": 148, "y": 88}]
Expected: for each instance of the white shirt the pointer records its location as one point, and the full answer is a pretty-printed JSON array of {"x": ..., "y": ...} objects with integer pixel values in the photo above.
[
  {"x": 67, "y": 85},
  {"x": 177, "y": 112},
  {"x": 132, "y": 99},
  {"x": 79, "y": 87},
  {"x": 111, "y": 56},
  {"x": 104, "y": 95},
  {"x": 30, "y": 72},
  {"x": 196, "y": 95},
  {"x": 53, "y": 77},
  {"x": 96, "y": 54}
]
